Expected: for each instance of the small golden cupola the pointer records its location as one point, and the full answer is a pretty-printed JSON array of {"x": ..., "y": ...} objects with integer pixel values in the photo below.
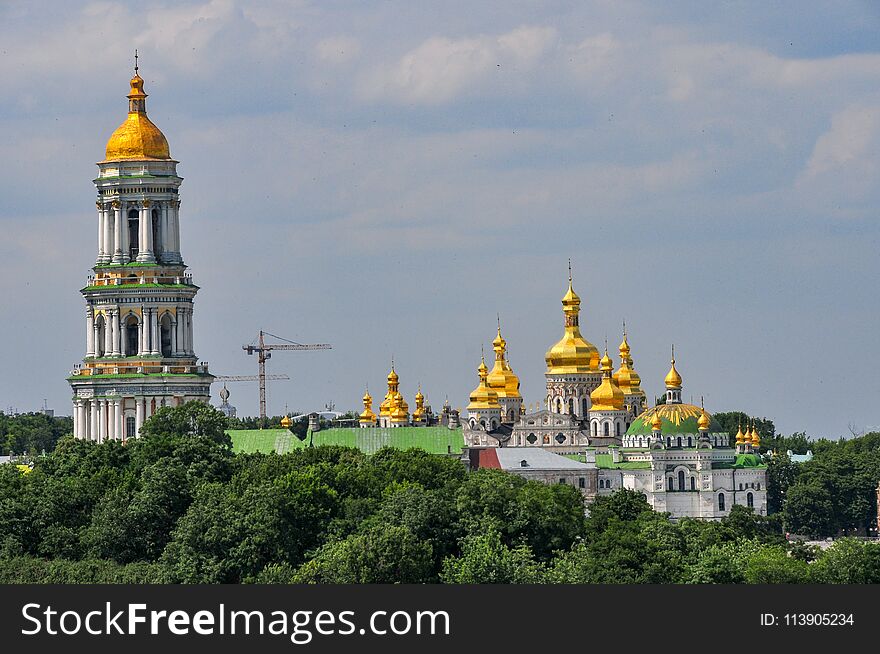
[
  {"x": 420, "y": 414},
  {"x": 626, "y": 376},
  {"x": 740, "y": 437},
  {"x": 502, "y": 378},
  {"x": 483, "y": 397},
  {"x": 673, "y": 383},
  {"x": 756, "y": 440},
  {"x": 137, "y": 137},
  {"x": 572, "y": 354},
  {"x": 394, "y": 407},
  {"x": 368, "y": 418},
  {"x": 608, "y": 396},
  {"x": 656, "y": 422},
  {"x": 703, "y": 421}
]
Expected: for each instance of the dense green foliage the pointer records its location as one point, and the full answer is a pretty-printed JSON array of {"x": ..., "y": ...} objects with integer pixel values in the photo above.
[
  {"x": 178, "y": 506},
  {"x": 32, "y": 433}
]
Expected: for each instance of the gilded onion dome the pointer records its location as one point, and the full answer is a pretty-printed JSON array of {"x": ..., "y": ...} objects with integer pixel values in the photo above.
[
  {"x": 483, "y": 397},
  {"x": 703, "y": 421},
  {"x": 368, "y": 416},
  {"x": 393, "y": 404},
  {"x": 419, "y": 411},
  {"x": 740, "y": 437},
  {"x": 756, "y": 440},
  {"x": 673, "y": 379},
  {"x": 137, "y": 137},
  {"x": 626, "y": 376},
  {"x": 286, "y": 422},
  {"x": 572, "y": 353},
  {"x": 656, "y": 422},
  {"x": 502, "y": 378},
  {"x": 607, "y": 396}
]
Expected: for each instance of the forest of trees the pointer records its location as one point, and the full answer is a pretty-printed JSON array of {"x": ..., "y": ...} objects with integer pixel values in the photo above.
[
  {"x": 32, "y": 433},
  {"x": 178, "y": 506}
]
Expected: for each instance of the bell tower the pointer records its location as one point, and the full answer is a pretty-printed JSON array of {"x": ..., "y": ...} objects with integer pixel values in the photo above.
[{"x": 139, "y": 301}]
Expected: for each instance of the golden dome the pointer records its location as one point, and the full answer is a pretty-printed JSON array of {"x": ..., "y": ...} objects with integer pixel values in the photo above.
[
  {"x": 483, "y": 397},
  {"x": 572, "y": 353},
  {"x": 502, "y": 378},
  {"x": 607, "y": 396},
  {"x": 394, "y": 406},
  {"x": 656, "y": 422},
  {"x": 626, "y": 377},
  {"x": 703, "y": 421},
  {"x": 419, "y": 411},
  {"x": 137, "y": 137},
  {"x": 756, "y": 440},
  {"x": 368, "y": 416},
  {"x": 673, "y": 379},
  {"x": 740, "y": 437},
  {"x": 286, "y": 422}
]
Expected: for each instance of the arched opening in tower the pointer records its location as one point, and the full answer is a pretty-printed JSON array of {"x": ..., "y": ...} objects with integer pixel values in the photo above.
[
  {"x": 157, "y": 240},
  {"x": 166, "y": 334},
  {"x": 133, "y": 234},
  {"x": 100, "y": 335},
  {"x": 131, "y": 336}
]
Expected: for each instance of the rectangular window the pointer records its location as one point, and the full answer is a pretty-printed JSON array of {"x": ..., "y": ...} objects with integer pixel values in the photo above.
[
  {"x": 582, "y": 482},
  {"x": 129, "y": 427},
  {"x": 562, "y": 480}
]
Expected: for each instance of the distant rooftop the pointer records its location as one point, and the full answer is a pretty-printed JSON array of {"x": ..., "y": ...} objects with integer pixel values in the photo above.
[{"x": 436, "y": 440}]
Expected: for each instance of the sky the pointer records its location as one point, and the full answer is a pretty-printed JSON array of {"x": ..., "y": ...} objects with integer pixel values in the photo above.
[{"x": 388, "y": 177}]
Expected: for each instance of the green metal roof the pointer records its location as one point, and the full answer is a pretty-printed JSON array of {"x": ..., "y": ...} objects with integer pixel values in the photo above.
[
  {"x": 741, "y": 461},
  {"x": 605, "y": 461},
  {"x": 436, "y": 440}
]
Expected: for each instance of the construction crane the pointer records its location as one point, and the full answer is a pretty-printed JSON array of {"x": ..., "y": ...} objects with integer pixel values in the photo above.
[
  {"x": 238, "y": 378},
  {"x": 263, "y": 351}
]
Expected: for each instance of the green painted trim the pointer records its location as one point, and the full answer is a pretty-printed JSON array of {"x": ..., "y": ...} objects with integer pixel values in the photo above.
[
  {"x": 140, "y": 375},
  {"x": 122, "y": 287}
]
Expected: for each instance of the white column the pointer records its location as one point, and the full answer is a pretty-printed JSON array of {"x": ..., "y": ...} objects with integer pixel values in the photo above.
[
  {"x": 109, "y": 232},
  {"x": 138, "y": 415},
  {"x": 76, "y": 423},
  {"x": 101, "y": 243},
  {"x": 174, "y": 226},
  {"x": 117, "y": 335},
  {"x": 174, "y": 350},
  {"x": 145, "y": 247},
  {"x": 93, "y": 420},
  {"x": 108, "y": 334},
  {"x": 116, "y": 429},
  {"x": 90, "y": 332},
  {"x": 102, "y": 420},
  {"x": 156, "y": 345},
  {"x": 165, "y": 232},
  {"x": 120, "y": 230}
]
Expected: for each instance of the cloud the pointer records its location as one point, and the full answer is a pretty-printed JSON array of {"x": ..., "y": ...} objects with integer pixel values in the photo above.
[{"x": 441, "y": 69}]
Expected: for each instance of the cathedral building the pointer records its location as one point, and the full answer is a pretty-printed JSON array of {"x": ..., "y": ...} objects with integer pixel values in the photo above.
[
  {"x": 675, "y": 453},
  {"x": 394, "y": 409},
  {"x": 140, "y": 354}
]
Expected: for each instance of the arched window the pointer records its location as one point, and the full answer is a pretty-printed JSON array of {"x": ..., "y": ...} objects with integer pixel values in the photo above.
[
  {"x": 690, "y": 442},
  {"x": 758, "y": 486},
  {"x": 100, "y": 335},
  {"x": 134, "y": 234},
  {"x": 693, "y": 483},
  {"x": 750, "y": 500},
  {"x": 571, "y": 406},
  {"x": 721, "y": 501},
  {"x": 678, "y": 441},
  {"x": 166, "y": 334},
  {"x": 130, "y": 427},
  {"x": 157, "y": 233},
  {"x": 681, "y": 480},
  {"x": 669, "y": 483},
  {"x": 605, "y": 430},
  {"x": 131, "y": 336},
  {"x": 617, "y": 429},
  {"x": 595, "y": 429},
  {"x": 584, "y": 408},
  {"x": 668, "y": 441},
  {"x": 558, "y": 405}
]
